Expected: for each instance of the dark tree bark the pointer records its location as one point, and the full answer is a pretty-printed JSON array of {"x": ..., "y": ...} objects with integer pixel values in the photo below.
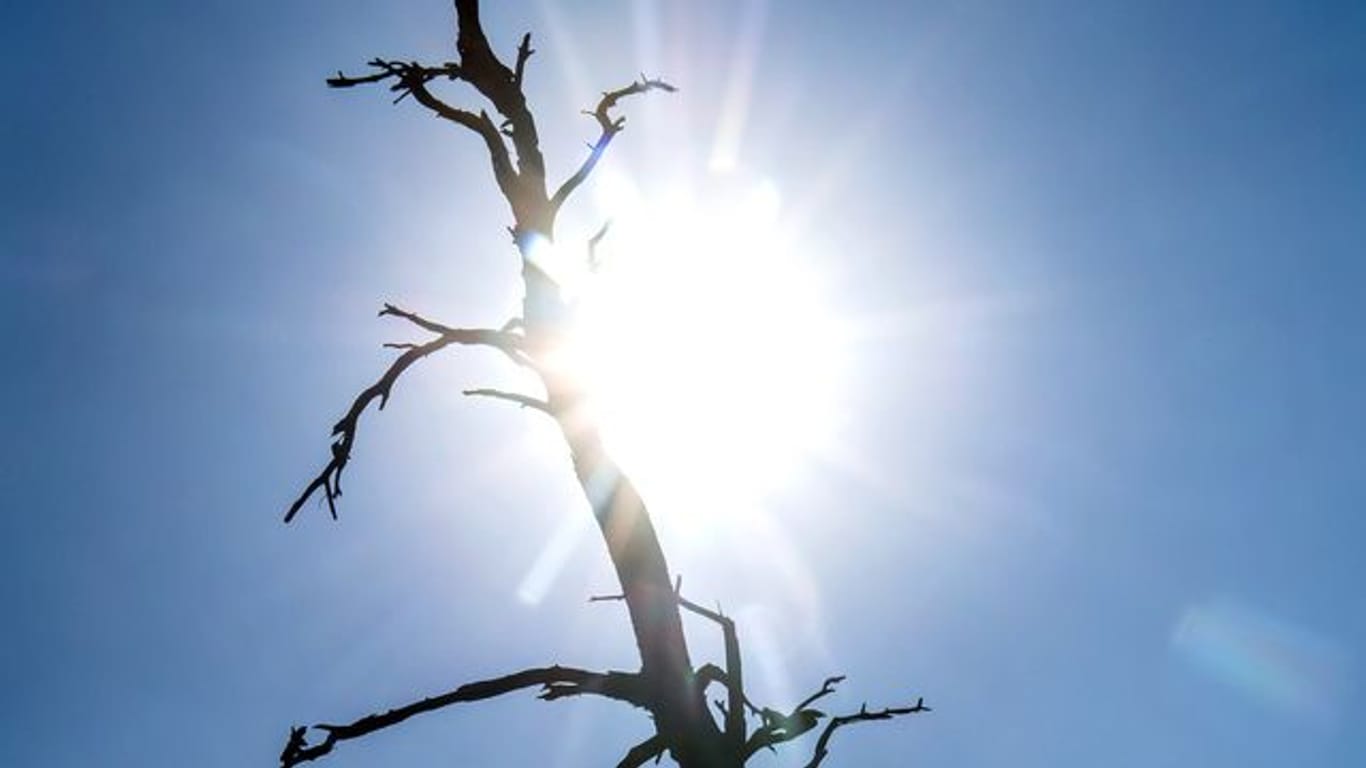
[{"x": 667, "y": 685}]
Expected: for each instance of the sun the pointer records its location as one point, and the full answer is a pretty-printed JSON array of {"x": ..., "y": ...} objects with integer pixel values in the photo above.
[{"x": 707, "y": 348}]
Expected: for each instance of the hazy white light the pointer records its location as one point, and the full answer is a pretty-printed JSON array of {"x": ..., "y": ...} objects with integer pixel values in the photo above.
[{"x": 707, "y": 348}]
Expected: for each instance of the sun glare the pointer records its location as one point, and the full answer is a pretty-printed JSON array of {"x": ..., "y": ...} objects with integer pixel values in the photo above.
[{"x": 706, "y": 347}]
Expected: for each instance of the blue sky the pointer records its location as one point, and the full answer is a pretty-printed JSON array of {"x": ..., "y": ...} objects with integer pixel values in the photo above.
[{"x": 1099, "y": 485}]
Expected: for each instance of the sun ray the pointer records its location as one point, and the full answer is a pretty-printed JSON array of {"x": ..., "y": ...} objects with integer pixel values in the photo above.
[
  {"x": 645, "y": 14},
  {"x": 730, "y": 128},
  {"x": 568, "y": 60},
  {"x": 571, "y": 532}
]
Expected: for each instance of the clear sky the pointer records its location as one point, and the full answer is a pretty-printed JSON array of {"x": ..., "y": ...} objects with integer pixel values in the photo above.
[{"x": 1098, "y": 486}]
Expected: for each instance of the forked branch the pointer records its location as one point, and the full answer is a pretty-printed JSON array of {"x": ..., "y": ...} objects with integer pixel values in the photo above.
[
  {"x": 328, "y": 481},
  {"x": 404, "y": 74},
  {"x": 556, "y": 682},
  {"x": 610, "y": 127},
  {"x": 734, "y": 678}
]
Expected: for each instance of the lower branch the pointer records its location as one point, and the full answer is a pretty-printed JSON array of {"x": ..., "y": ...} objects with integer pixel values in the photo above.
[
  {"x": 556, "y": 682},
  {"x": 776, "y": 727}
]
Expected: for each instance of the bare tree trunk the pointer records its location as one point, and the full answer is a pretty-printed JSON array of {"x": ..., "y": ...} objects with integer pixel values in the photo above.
[
  {"x": 680, "y": 708},
  {"x": 624, "y": 522}
]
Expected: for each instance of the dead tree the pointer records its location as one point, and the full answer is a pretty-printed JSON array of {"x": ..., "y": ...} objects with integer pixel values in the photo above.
[{"x": 667, "y": 686}]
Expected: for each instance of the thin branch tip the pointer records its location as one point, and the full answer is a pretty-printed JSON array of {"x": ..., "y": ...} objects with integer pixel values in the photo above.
[{"x": 525, "y": 401}]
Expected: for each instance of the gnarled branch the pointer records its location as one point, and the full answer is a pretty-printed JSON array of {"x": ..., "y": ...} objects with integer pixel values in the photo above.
[
  {"x": 610, "y": 126},
  {"x": 403, "y": 73},
  {"x": 556, "y": 682},
  {"x": 411, "y": 78}
]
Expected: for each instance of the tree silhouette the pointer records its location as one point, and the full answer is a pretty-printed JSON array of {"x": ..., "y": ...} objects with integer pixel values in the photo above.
[{"x": 667, "y": 686}]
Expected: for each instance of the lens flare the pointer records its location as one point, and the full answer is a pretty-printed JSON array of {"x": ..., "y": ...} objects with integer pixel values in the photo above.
[{"x": 1278, "y": 663}]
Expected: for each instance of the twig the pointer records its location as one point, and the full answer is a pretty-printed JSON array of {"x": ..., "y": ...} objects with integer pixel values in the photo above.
[
  {"x": 827, "y": 688},
  {"x": 526, "y": 401}
]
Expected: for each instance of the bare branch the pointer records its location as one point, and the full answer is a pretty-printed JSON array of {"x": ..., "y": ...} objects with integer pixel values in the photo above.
[
  {"x": 483, "y": 125},
  {"x": 510, "y": 343},
  {"x": 863, "y": 715},
  {"x": 610, "y": 126},
  {"x": 403, "y": 73},
  {"x": 642, "y": 753},
  {"x": 344, "y": 431},
  {"x": 556, "y": 682},
  {"x": 526, "y": 401},
  {"x": 411, "y": 78},
  {"x": 414, "y": 318}
]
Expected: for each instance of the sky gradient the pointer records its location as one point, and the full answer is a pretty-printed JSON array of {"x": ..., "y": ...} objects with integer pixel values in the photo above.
[{"x": 1098, "y": 486}]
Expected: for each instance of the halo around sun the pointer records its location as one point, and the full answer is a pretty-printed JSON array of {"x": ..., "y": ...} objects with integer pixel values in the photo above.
[{"x": 705, "y": 345}]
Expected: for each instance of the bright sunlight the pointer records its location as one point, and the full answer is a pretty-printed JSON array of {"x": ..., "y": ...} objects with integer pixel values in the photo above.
[{"x": 706, "y": 346}]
